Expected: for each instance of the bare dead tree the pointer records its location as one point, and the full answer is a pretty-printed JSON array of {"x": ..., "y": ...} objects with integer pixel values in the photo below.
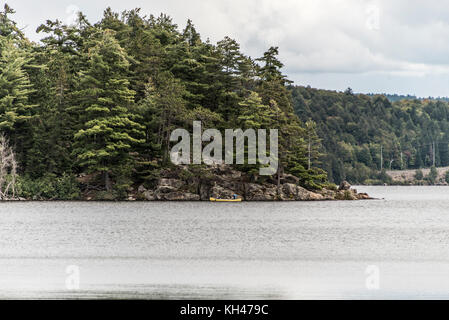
[{"x": 8, "y": 170}]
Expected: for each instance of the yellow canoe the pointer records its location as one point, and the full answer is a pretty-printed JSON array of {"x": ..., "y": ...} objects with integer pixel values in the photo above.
[{"x": 225, "y": 200}]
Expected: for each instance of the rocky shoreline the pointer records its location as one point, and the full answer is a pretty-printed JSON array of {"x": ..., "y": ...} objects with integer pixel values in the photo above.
[
  {"x": 222, "y": 182},
  {"x": 183, "y": 183}
]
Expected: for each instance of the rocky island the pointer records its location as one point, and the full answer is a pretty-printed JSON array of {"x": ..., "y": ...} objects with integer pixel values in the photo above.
[
  {"x": 222, "y": 182},
  {"x": 90, "y": 120}
]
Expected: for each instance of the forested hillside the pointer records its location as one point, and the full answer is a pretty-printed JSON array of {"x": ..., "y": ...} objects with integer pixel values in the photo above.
[
  {"x": 92, "y": 106},
  {"x": 356, "y": 130},
  {"x": 398, "y": 97}
]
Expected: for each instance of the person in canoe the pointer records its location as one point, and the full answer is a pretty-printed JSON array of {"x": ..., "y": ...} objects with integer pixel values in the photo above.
[{"x": 235, "y": 198}]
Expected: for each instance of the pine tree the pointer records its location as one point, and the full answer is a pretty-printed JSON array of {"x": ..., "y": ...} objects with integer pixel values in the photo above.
[
  {"x": 163, "y": 110},
  {"x": 313, "y": 144},
  {"x": 190, "y": 35},
  {"x": 8, "y": 28},
  {"x": 105, "y": 97},
  {"x": 15, "y": 86},
  {"x": 109, "y": 129},
  {"x": 16, "y": 111},
  {"x": 148, "y": 55},
  {"x": 230, "y": 62},
  {"x": 271, "y": 66},
  {"x": 253, "y": 114}
]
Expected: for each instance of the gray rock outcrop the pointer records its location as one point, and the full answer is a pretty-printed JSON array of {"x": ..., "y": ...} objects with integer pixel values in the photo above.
[{"x": 223, "y": 182}]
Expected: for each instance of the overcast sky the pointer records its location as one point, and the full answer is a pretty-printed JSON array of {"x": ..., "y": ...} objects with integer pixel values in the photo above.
[{"x": 399, "y": 46}]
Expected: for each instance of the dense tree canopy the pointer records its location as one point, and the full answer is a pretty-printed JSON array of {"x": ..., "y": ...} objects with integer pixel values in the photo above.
[
  {"x": 362, "y": 134},
  {"x": 101, "y": 99}
]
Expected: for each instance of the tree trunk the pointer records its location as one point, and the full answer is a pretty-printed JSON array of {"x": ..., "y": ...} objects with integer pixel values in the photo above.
[
  {"x": 107, "y": 181},
  {"x": 279, "y": 176}
]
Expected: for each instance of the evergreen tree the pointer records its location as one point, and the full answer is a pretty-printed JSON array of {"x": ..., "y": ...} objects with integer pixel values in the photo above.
[
  {"x": 271, "y": 66},
  {"x": 190, "y": 35},
  {"x": 8, "y": 28},
  {"x": 313, "y": 144},
  {"x": 163, "y": 110},
  {"x": 109, "y": 129},
  {"x": 231, "y": 61},
  {"x": 254, "y": 114},
  {"x": 15, "y": 86},
  {"x": 16, "y": 110},
  {"x": 105, "y": 97}
]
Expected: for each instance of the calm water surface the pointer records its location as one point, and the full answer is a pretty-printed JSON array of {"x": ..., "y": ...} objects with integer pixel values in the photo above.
[{"x": 297, "y": 250}]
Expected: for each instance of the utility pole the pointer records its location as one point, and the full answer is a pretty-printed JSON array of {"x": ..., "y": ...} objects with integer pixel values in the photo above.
[{"x": 402, "y": 163}]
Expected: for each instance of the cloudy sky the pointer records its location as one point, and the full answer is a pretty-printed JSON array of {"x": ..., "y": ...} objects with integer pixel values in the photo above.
[{"x": 399, "y": 46}]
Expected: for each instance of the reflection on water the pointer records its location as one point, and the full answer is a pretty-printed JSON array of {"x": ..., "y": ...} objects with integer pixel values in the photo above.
[{"x": 295, "y": 250}]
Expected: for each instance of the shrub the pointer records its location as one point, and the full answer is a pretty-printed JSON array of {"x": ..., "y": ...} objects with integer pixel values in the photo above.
[
  {"x": 384, "y": 177},
  {"x": 49, "y": 187},
  {"x": 373, "y": 182},
  {"x": 432, "y": 176},
  {"x": 345, "y": 195},
  {"x": 107, "y": 196},
  {"x": 419, "y": 175},
  {"x": 330, "y": 186},
  {"x": 348, "y": 195}
]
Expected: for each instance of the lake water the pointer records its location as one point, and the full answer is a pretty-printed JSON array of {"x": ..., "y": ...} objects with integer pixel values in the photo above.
[{"x": 397, "y": 247}]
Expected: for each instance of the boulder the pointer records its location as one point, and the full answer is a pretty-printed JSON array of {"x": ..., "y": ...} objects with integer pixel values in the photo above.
[
  {"x": 165, "y": 189},
  {"x": 328, "y": 194},
  {"x": 257, "y": 192},
  {"x": 345, "y": 195},
  {"x": 271, "y": 193},
  {"x": 315, "y": 197},
  {"x": 180, "y": 196},
  {"x": 302, "y": 194},
  {"x": 149, "y": 195},
  {"x": 288, "y": 192},
  {"x": 254, "y": 192},
  {"x": 174, "y": 183},
  {"x": 141, "y": 189},
  {"x": 288, "y": 178},
  {"x": 306, "y": 195},
  {"x": 363, "y": 196},
  {"x": 205, "y": 191},
  {"x": 344, "y": 186}
]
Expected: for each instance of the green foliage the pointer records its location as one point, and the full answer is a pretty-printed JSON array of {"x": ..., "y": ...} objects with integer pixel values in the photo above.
[
  {"x": 49, "y": 187},
  {"x": 446, "y": 176},
  {"x": 109, "y": 130},
  {"x": 419, "y": 175},
  {"x": 384, "y": 177},
  {"x": 8, "y": 28},
  {"x": 373, "y": 182},
  {"x": 15, "y": 88},
  {"x": 356, "y": 128},
  {"x": 330, "y": 186},
  {"x": 101, "y": 100},
  {"x": 433, "y": 175}
]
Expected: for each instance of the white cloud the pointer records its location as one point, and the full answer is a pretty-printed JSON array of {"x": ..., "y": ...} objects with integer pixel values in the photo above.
[{"x": 398, "y": 41}]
